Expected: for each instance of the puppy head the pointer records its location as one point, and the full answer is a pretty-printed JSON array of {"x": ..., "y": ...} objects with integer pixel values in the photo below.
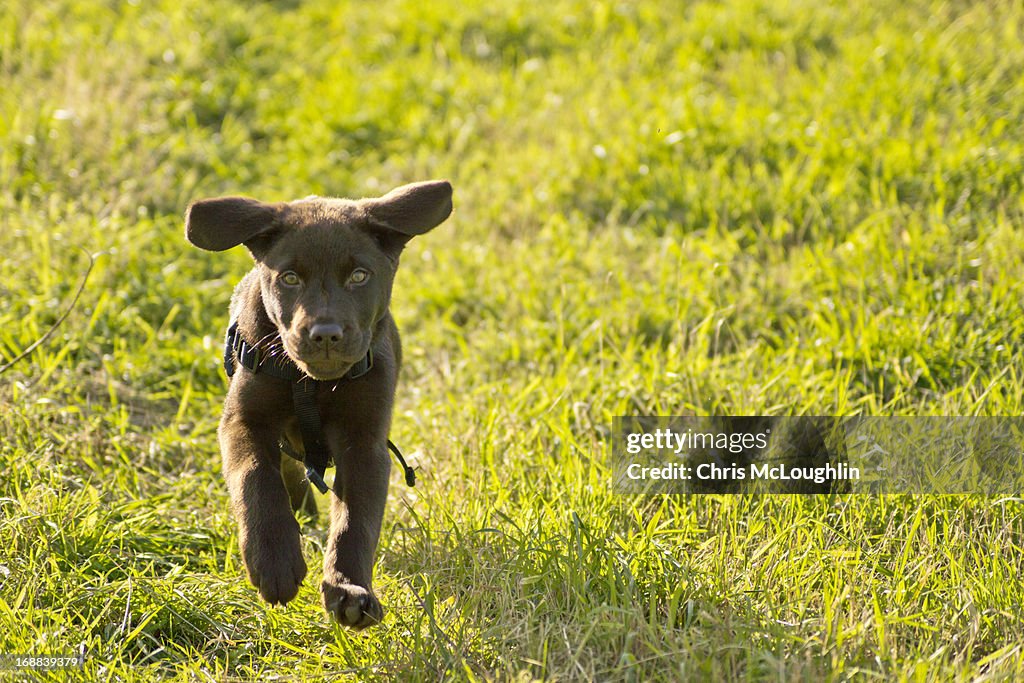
[{"x": 325, "y": 265}]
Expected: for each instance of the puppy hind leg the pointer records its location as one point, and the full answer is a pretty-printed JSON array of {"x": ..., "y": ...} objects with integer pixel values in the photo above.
[{"x": 300, "y": 493}]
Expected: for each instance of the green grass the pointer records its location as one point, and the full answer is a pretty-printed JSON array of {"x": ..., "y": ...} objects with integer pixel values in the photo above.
[{"x": 738, "y": 207}]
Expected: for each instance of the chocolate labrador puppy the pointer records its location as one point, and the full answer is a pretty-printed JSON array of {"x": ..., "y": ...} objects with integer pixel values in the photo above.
[{"x": 319, "y": 355}]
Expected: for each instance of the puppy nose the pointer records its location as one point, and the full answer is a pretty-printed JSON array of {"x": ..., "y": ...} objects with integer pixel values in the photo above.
[{"x": 325, "y": 333}]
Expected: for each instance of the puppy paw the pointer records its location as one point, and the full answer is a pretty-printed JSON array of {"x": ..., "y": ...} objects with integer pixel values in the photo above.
[
  {"x": 274, "y": 561},
  {"x": 351, "y": 605}
]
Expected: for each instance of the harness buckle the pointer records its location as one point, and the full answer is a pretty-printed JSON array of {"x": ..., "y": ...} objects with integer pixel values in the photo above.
[{"x": 316, "y": 479}]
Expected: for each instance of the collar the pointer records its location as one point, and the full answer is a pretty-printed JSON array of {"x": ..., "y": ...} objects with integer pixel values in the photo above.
[{"x": 251, "y": 358}]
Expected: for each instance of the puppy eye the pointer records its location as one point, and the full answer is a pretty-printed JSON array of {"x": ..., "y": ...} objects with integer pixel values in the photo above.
[
  {"x": 290, "y": 278},
  {"x": 358, "y": 276}
]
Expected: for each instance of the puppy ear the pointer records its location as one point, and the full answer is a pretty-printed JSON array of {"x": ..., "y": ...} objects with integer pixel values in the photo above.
[
  {"x": 225, "y": 222},
  {"x": 413, "y": 209}
]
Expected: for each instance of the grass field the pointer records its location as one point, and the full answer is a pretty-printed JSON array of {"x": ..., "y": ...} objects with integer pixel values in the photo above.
[{"x": 737, "y": 207}]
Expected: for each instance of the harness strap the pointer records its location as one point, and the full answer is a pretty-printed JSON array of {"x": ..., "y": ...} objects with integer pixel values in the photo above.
[
  {"x": 307, "y": 412},
  {"x": 410, "y": 473}
]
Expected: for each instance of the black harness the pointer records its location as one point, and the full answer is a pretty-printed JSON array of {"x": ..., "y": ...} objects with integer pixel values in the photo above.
[{"x": 304, "y": 387}]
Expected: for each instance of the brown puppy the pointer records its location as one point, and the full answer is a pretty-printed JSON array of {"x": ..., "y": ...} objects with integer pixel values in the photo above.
[{"x": 318, "y": 297}]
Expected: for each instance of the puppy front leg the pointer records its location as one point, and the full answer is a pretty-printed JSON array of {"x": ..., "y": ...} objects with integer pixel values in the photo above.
[
  {"x": 357, "y": 510},
  {"x": 267, "y": 531}
]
